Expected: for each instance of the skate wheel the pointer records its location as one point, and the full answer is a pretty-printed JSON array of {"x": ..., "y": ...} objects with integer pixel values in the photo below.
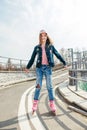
[
  {"x": 54, "y": 113},
  {"x": 33, "y": 112}
]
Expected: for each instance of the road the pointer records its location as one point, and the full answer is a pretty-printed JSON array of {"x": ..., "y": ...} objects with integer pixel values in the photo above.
[{"x": 16, "y": 104}]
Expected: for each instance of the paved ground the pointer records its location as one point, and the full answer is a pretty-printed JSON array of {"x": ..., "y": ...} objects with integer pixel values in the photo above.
[
  {"x": 9, "y": 105},
  {"x": 6, "y": 77},
  {"x": 77, "y": 98},
  {"x": 16, "y": 103},
  {"x": 14, "y": 77}
]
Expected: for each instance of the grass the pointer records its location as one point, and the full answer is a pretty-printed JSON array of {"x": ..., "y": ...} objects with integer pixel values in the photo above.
[{"x": 82, "y": 85}]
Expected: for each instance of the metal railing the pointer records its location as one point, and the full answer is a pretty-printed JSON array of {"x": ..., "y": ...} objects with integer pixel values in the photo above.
[
  {"x": 12, "y": 64},
  {"x": 78, "y": 59},
  {"x": 77, "y": 75}
]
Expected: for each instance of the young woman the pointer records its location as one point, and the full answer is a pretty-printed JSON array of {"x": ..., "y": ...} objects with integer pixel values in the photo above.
[{"x": 44, "y": 51}]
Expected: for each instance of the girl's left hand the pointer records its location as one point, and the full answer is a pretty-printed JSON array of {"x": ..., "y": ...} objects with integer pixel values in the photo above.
[{"x": 65, "y": 67}]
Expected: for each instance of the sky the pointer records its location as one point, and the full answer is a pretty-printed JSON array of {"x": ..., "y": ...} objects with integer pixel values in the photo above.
[{"x": 21, "y": 21}]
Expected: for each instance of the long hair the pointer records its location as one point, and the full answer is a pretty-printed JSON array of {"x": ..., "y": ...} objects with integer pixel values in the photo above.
[{"x": 48, "y": 41}]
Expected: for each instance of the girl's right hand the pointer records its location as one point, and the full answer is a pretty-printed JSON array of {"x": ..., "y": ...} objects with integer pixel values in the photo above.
[
  {"x": 26, "y": 70},
  {"x": 66, "y": 67}
]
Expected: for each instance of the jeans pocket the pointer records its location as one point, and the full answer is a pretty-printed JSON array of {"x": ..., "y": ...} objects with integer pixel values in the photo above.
[{"x": 49, "y": 70}]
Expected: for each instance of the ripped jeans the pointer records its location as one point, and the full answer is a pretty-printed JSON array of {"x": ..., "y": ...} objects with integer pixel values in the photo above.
[{"x": 47, "y": 72}]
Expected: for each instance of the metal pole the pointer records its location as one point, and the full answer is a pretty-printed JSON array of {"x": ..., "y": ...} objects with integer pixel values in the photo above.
[
  {"x": 21, "y": 65},
  {"x": 72, "y": 57}
]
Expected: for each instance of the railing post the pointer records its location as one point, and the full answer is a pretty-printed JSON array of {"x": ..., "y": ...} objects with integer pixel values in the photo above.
[
  {"x": 9, "y": 64},
  {"x": 21, "y": 65},
  {"x": 72, "y": 74},
  {"x": 76, "y": 82},
  {"x": 72, "y": 56}
]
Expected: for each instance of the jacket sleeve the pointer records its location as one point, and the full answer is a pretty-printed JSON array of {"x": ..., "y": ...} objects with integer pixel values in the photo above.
[
  {"x": 31, "y": 61},
  {"x": 59, "y": 56}
]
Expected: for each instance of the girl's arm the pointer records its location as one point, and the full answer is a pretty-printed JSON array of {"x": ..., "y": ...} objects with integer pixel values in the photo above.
[
  {"x": 59, "y": 56},
  {"x": 31, "y": 61}
]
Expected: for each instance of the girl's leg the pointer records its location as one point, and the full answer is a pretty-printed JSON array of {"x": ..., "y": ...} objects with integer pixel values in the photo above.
[
  {"x": 39, "y": 77},
  {"x": 48, "y": 76}
]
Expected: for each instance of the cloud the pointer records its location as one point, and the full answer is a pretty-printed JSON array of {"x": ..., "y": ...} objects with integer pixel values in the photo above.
[{"x": 64, "y": 20}]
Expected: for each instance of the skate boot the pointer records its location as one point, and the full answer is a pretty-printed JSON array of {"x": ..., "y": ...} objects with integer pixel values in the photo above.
[
  {"x": 52, "y": 107},
  {"x": 34, "y": 108}
]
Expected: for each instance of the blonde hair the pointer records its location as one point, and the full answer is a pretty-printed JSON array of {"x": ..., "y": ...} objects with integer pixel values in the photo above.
[{"x": 48, "y": 41}]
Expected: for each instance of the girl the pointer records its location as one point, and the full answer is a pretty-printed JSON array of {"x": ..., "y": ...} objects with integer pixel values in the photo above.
[{"x": 44, "y": 51}]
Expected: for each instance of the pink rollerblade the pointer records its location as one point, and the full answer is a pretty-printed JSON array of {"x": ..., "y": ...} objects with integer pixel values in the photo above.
[
  {"x": 52, "y": 107},
  {"x": 34, "y": 108}
]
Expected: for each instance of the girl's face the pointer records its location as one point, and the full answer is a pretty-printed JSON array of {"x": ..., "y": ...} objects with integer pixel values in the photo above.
[{"x": 43, "y": 37}]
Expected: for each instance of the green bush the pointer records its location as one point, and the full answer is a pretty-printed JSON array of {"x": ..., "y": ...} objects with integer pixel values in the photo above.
[{"x": 83, "y": 85}]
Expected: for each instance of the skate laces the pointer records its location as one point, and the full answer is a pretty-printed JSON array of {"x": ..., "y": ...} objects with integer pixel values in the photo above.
[
  {"x": 35, "y": 105},
  {"x": 52, "y": 105}
]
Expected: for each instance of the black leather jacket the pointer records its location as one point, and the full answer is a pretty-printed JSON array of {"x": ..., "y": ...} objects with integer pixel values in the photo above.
[{"x": 50, "y": 50}]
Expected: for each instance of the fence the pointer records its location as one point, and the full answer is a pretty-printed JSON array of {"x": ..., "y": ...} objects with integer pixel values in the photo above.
[
  {"x": 78, "y": 59},
  {"x": 12, "y": 64},
  {"x": 77, "y": 75}
]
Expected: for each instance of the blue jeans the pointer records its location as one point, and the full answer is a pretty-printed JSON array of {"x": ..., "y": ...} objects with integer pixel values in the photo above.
[{"x": 47, "y": 72}]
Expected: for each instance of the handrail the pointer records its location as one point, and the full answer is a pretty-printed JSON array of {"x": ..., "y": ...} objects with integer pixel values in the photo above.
[
  {"x": 7, "y": 63},
  {"x": 77, "y": 79},
  {"x": 74, "y": 77},
  {"x": 12, "y": 58},
  {"x": 78, "y": 70}
]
